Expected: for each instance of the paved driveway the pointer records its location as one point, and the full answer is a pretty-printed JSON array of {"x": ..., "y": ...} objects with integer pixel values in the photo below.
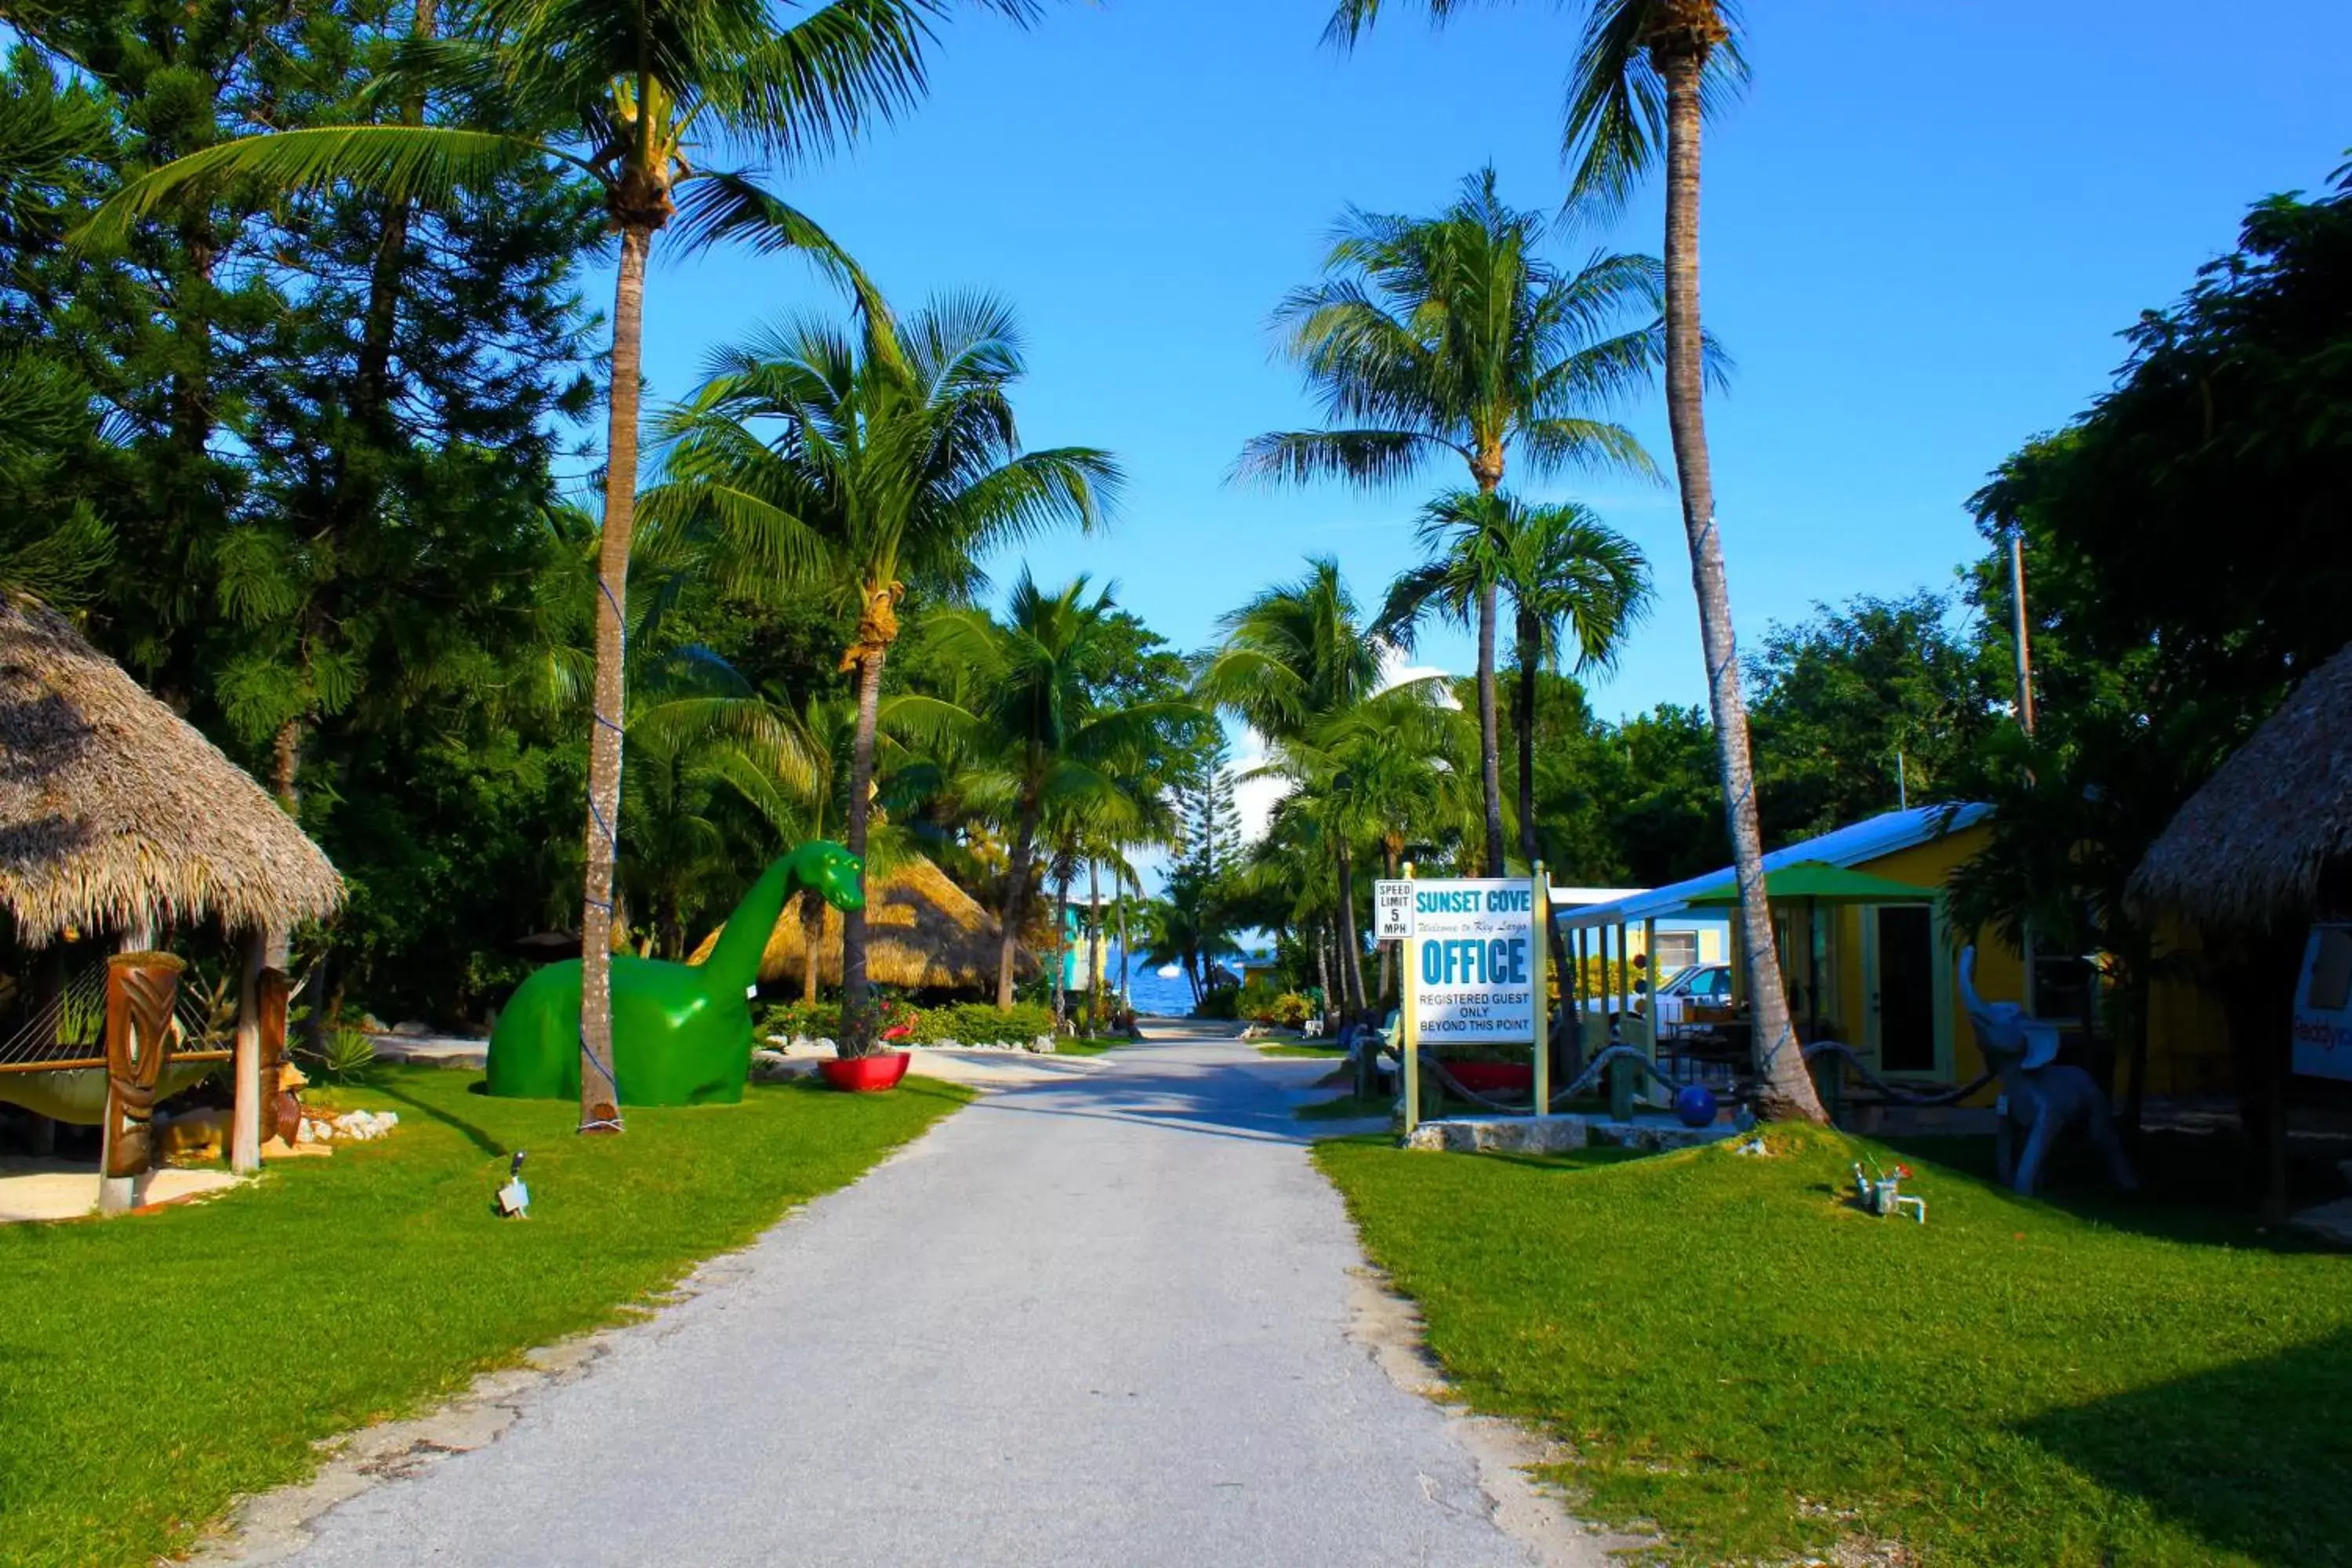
[{"x": 1098, "y": 1320}]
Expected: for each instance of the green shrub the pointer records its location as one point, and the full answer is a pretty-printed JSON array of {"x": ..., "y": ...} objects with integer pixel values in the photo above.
[
  {"x": 980, "y": 1024},
  {"x": 1224, "y": 1002},
  {"x": 800, "y": 1020},
  {"x": 345, "y": 1056},
  {"x": 1263, "y": 1002}
]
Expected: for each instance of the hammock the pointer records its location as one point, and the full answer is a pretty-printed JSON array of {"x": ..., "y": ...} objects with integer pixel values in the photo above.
[{"x": 53, "y": 1056}]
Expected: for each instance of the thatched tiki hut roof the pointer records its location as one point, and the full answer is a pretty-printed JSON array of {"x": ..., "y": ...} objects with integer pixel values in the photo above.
[
  {"x": 2267, "y": 842},
  {"x": 923, "y": 933},
  {"x": 116, "y": 814}
]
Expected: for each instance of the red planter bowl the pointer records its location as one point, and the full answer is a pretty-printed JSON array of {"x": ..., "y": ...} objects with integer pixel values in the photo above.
[
  {"x": 1492, "y": 1077},
  {"x": 866, "y": 1075}
]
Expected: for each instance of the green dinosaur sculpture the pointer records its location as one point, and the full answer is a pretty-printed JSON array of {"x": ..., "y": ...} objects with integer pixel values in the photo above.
[{"x": 681, "y": 1032}]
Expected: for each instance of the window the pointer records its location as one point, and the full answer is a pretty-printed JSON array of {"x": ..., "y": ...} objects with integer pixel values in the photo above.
[{"x": 1675, "y": 950}]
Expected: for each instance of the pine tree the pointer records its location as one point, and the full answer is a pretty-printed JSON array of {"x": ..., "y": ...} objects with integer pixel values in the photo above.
[{"x": 1209, "y": 833}]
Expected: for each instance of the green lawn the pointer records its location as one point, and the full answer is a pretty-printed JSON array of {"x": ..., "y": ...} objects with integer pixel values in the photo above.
[
  {"x": 1300, "y": 1049},
  {"x": 154, "y": 1367},
  {"x": 1759, "y": 1369}
]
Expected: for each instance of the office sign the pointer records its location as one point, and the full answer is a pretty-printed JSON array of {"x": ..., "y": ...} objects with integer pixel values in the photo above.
[
  {"x": 1474, "y": 962},
  {"x": 1392, "y": 909}
]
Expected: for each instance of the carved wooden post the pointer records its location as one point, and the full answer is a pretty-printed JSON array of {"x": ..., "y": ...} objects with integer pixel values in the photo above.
[
  {"x": 270, "y": 991},
  {"x": 139, "y": 990},
  {"x": 253, "y": 1089}
]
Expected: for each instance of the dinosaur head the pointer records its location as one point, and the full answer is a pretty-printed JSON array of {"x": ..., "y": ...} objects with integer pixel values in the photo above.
[{"x": 838, "y": 876}]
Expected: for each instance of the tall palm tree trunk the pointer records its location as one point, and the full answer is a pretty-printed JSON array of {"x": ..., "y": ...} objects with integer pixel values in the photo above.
[
  {"x": 1523, "y": 718},
  {"x": 1490, "y": 760},
  {"x": 857, "y": 1019},
  {"x": 1332, "y": 1006},
  {"x": 599, "y": 1095},
  {"x": 1126, "y": 953},
  {"x": 1351, "y": 967},
  {"x": 1392, "y": 952},
  {"x": 812, "y": 935},
  {"x": 1094, "y": 947},
  {"x": 1062, "y": 943},
  {"x": 1016, "y": 891},
  {"x": 1531, "y": 636},
  {"x": 1785, "y": 1089}
]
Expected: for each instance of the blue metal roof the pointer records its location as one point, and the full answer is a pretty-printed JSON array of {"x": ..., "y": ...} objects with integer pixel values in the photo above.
[{"x": 1849, "y": 846}]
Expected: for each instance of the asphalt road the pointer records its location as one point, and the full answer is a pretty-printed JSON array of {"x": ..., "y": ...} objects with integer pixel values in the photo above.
[{"x": 1098, "y": 1320}]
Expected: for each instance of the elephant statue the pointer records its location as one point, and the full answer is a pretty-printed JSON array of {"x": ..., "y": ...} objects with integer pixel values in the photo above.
[{"x": 2039, "y": 1093}]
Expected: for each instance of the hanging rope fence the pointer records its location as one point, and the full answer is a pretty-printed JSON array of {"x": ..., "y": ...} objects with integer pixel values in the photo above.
[{"x": 1591, "y": 1075}]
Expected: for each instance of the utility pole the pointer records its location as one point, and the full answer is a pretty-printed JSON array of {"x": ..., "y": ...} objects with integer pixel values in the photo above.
[{"x": 2016, "y": 607}]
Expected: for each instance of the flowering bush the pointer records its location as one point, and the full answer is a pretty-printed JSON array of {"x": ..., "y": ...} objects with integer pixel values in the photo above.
[
  {"x": 899, "y": 1020},
  {"x": 1262, "y": 1003}
]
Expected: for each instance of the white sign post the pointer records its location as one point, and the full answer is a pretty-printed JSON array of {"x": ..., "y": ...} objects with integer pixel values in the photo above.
[{"x": 1475, "y": 973}]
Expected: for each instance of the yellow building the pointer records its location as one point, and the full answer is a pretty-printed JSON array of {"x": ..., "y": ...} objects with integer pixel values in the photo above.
[{"x": 1883, "y": 978}]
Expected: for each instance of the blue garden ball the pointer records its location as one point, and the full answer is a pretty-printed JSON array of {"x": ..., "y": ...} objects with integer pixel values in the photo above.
[{"x": 1696, "y": 1106}]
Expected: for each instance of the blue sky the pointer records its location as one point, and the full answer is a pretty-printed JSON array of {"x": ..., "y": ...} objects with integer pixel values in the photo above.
[{"x": 1924, "y": 226}]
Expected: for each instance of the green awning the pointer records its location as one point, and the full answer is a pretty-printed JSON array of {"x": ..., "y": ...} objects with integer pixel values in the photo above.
[{"x": 1822, "y": 883}]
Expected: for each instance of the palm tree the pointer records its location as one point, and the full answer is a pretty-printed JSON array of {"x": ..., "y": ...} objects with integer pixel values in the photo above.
[
  {"x": 1377, "y": 773},
  {"x": 1452, "y": 334},
  {"x": 1067, "y": 761},
  {"x": 1096, "y": 832},
  {"x": 1571, "y": 579},
  {"x": 1187, "y": 925},
  {"x": 1576, "y": 584},
  {"x": 626, "y": 95},
  {"x": 812, "y": 799},
  {"x": 861, "y": 467},
  {"x": 1294, "y": 659},
  {"x": 1646, "y": 76}
]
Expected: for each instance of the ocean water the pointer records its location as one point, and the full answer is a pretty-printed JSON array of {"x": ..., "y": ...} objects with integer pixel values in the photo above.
[
  {"x": 1171, "y": 998},
  {"x": 1166, "y": 998}
]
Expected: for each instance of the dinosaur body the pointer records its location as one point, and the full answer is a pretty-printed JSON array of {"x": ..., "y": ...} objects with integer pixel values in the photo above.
[{"x": 681, "y": 1032}]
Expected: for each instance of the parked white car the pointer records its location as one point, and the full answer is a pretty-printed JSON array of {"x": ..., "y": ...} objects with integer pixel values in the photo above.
[{"x": 1697, "y": 985}]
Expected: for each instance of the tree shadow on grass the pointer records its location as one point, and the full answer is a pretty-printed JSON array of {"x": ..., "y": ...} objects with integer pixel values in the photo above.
[
  {"x": 2192, "y": 1187},
  {"x": 480, "y": 1138},
  {"x": 2251, "y": 1457}
]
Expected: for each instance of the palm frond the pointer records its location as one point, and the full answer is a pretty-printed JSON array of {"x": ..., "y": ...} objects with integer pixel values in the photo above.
[
  {"x": 1550, "y": 445},
  {"x": 1369, "y": 458},
  {"x": 812, "y": 88},
  {"x": 1615, "y": 127},
  {"x": 429, "y": 165}
]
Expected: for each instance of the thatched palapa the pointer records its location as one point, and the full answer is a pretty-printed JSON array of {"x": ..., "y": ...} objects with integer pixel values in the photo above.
[
  {"x": 2267, "y": 842},
  {"x": 923, "y": 933},
  {"x": 116, "y": 814}
]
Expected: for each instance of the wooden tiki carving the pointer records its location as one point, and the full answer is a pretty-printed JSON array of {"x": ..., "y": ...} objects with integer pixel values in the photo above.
[
  {"x": 272, "y": 992},
  {"x": 140, "y": 988}
]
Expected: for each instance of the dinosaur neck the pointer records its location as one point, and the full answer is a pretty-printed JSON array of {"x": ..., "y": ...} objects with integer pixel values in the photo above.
[{"x": 733, "y": 965}]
